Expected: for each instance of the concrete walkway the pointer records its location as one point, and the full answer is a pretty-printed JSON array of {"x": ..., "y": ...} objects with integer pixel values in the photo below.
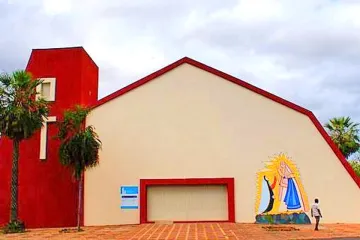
[{"x": 198, "y": 231}]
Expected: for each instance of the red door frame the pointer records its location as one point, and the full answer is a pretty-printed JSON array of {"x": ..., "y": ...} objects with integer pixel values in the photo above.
[{"x": 229, "y": 182}]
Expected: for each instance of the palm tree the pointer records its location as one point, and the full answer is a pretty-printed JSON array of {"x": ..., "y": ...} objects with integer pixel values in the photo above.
[
  {"x": 355, "y": 164},
  {"x": 344, "y": 133},
  {"x": 79, "y": 147},
  {"x": 21, "y": 115}
]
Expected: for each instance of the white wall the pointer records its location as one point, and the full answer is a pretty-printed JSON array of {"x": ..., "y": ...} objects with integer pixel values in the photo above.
[{"x": 189, "y": 123}]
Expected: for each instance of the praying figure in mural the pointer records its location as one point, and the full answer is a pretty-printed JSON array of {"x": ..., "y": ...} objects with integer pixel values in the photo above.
[
  {"x": 280, "y": 193},
  {"x": 288, "y": 192}
]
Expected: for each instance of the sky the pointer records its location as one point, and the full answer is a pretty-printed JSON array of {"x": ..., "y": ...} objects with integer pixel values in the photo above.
[{"x": 307, "y": 51}]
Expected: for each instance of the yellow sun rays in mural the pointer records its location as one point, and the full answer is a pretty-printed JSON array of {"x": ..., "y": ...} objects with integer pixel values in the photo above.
[{"x": 279, "y": 188}]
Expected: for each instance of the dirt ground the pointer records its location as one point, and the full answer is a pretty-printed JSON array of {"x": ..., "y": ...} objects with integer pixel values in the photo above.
[{"x": 192, "y": 231}]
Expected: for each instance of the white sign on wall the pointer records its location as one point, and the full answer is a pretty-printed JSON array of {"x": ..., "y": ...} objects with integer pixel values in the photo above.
[{"x": 129, "y": 197}]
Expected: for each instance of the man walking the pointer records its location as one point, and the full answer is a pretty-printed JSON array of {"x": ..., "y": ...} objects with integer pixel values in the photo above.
[{"x": 315, "y": 212}]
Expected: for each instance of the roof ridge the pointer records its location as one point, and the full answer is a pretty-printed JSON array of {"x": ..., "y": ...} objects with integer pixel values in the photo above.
[{"x": 246, "y": 85}]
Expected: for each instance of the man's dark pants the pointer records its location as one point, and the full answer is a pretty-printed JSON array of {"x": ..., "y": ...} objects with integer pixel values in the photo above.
[{"x": 317, "y": 222}]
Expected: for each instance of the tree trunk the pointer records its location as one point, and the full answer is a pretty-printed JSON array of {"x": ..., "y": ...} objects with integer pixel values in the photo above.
[
  {"x": 79, "y": 201},
  {"x": 14, "y": 182}
]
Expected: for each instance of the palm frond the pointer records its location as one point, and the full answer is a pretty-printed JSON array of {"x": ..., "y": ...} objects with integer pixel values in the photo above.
[
  {"x": 21, "y": 114},
  {"x": 345, "y": 134},
  {"x": 80, "y": 145}
]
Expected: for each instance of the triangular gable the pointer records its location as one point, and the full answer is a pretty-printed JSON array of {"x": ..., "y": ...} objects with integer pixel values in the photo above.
[{"x": 246, "y": 85}]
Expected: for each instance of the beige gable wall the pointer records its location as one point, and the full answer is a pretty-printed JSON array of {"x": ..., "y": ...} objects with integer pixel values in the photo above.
[{"x": 189, "y": 123}]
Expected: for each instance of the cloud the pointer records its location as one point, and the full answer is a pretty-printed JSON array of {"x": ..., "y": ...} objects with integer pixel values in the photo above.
[
  {"x": 305, "y": 51},
  {"x": 54, "y": 7}
]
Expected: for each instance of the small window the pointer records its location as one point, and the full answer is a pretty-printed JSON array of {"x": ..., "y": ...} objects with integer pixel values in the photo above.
[{"x": 47, "y": 89}]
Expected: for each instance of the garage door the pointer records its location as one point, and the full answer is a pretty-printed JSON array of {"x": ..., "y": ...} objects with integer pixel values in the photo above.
[{"x": 187, "y": 203}]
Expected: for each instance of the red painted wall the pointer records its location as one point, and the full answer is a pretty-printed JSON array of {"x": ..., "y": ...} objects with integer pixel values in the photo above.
[{"x": 47, "y": 191}]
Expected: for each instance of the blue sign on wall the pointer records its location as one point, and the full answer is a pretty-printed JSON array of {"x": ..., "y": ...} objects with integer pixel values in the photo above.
[
  {"x": 132, "y": 190},
  {"x": 129, "y": 197}
]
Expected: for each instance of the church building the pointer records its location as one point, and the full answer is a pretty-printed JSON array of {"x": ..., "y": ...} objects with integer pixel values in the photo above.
[{"x": 187, "y": 143}]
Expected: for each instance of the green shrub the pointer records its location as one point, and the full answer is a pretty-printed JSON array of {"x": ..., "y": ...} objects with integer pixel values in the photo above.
[{"x": 14, "y": 227}]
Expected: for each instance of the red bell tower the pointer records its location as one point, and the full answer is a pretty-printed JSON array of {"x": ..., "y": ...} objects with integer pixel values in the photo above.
[{"x": 47, "y": 190}]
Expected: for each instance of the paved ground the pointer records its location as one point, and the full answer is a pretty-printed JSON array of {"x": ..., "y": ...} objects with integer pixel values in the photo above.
[{"x": 211, "y": 231}]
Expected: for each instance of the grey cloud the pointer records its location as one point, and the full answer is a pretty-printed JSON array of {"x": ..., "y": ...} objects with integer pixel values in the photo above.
[
  {"x": 322, "y": 53},
  {"x": 313, "y": 59},
  {"x": 113, "y": 80},
  {"x": 349, "y": 78},
  {"x": 28, "y": 27}
]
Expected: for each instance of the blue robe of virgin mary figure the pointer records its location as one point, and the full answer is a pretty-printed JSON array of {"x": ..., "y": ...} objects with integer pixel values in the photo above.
[{"x": 292, "y": 199}]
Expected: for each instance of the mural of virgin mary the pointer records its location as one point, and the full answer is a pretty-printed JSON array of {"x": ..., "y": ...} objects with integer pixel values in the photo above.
[{"x": 288, "y": 189}]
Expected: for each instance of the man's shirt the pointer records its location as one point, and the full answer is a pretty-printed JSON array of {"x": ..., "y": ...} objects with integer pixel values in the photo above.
[{"x": 315, "y": 210}]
